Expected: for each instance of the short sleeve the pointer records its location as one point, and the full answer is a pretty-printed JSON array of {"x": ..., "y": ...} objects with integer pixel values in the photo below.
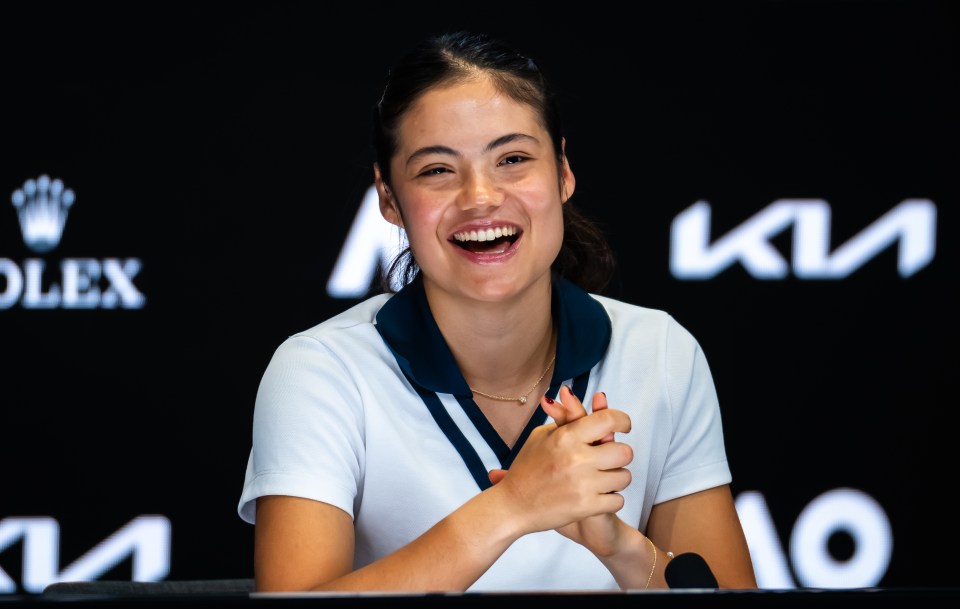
[
  {"x": 307, "y": 430},
  {"x": 696, "y": 459}
]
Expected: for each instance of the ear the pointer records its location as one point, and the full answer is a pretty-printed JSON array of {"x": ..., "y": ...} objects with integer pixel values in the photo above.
[
  {"x": 568, "y": 182},
  {"x": 388, "y": 203}
]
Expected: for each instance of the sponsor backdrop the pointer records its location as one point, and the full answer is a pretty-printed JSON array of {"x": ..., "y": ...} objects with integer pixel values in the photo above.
[{"x": 186, "y": 185}]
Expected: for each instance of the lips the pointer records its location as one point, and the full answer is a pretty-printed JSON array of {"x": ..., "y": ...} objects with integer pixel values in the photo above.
[{"x": 487, "y": 240}]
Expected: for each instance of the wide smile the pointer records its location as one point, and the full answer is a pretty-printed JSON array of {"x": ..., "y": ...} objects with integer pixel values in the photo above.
[{"x": 488, "y": 240}]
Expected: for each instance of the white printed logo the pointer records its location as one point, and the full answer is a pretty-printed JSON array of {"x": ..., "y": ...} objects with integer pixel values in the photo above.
[
  {"x": 841, "y": 510},
  {"x": 912, "y": 223},
  {"x": 42, "y": 206},
  {"x": 372, "y": 243},
  {"x": 75, "y": 283},
  {"x": 145, "y": 540}
]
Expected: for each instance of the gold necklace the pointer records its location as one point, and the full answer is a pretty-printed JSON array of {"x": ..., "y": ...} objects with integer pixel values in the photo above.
[{"x": 523, "y": 398}]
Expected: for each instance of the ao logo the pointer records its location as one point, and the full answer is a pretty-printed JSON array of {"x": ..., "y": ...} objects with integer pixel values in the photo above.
[
  {"x": 839, "y": 511},
  {"x": 43, "y": 206},
  {"x": 372, "y": 242}
]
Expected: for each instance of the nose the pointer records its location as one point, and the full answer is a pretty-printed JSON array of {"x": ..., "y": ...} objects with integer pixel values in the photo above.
[{"x": 480, "y": 190}]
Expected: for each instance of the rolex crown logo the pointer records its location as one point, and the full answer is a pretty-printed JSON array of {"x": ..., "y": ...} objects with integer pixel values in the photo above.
[{"x": 42, "y": 206}]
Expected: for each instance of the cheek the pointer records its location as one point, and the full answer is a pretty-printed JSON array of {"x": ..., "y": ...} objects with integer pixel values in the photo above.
[
  {"x": 547, "y": 217},
  {"x": 420, "y": 219},
  {"x": 555, "y": 222},
  {"x": 548, "y": 207},
  {"x": 557, "y": 229}
]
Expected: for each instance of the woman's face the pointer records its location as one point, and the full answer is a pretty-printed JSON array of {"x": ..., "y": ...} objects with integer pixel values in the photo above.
[{"x": 475, "y": 179}]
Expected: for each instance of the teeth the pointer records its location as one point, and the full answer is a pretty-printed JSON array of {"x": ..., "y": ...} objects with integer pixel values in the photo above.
[{"x": 486, "y": 235}]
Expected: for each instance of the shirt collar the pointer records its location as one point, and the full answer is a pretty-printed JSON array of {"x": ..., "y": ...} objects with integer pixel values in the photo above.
[{"x": 407, "y": 327}]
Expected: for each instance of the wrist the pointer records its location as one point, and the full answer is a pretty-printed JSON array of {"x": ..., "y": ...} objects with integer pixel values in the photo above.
[
  {"x": 658, "y": 564},
  {"x": 630, "y": 563},
  {"x": 638, "y": 564},
  {"x": 499, "y": 504}
]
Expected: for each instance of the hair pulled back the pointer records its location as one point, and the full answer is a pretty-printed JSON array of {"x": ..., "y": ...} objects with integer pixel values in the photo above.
[{"x": 585, "y": 257}]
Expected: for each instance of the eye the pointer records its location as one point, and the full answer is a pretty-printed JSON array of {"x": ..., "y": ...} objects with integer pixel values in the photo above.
[
  {"x": 514, "y": 159},
  {"x": 434, "y": 171}
]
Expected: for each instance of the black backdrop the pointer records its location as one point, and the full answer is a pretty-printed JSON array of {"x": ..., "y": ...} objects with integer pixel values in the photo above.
[{"x": 225, "y": 148}]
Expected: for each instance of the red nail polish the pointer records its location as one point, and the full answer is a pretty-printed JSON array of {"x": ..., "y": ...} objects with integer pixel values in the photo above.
[{"x": 548, "y": 399}]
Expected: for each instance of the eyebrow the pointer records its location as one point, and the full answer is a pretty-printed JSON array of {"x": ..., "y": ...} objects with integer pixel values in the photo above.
[{"x": 446, "y": 150}]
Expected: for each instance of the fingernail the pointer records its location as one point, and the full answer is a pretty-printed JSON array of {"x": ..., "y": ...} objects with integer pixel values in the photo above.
[
  {"x": 548, "y": 399},
  {"x": 603, "y": 393}
]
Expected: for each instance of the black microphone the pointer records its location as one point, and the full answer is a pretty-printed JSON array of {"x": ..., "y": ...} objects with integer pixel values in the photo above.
[{"x": 689, "y": 570}]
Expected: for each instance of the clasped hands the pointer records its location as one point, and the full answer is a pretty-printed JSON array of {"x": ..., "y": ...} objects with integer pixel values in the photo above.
[{"x": 568, "y": 474}]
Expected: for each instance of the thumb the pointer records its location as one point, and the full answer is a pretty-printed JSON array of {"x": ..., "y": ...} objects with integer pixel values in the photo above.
[{"x": 496, "y": 475}]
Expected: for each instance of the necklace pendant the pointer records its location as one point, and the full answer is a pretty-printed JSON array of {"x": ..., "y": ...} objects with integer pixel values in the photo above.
[{"x": 522, "y": 399}]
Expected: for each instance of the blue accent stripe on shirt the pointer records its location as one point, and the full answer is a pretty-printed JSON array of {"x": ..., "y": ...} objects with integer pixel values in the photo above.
[{"x": 449, "y": 428}]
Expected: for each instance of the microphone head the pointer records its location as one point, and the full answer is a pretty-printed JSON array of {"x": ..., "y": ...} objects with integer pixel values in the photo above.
[{"x": 689, "y": 570}]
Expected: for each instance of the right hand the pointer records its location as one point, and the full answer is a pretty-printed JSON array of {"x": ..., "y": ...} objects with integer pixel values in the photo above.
[
  {"x": 596, "y": 533},
  {"x": 572, "y": 470}
]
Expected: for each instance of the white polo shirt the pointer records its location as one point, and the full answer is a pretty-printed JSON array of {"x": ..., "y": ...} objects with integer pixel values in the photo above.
[{"x": 368, "y": 412}]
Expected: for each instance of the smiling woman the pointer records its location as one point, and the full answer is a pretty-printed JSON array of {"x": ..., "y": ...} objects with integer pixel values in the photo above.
[
  {"x": 469, "y": 160},
  {"x": 497, "y": 423}
]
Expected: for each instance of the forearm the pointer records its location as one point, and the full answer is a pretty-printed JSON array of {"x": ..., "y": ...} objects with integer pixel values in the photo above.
[{"x": 448, "y": 557}]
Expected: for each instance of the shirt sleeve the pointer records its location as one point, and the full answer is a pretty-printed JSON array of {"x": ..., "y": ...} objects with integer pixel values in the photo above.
[
  {"x": 307, "y": 430},
  {"x": 697, "y": 458}
]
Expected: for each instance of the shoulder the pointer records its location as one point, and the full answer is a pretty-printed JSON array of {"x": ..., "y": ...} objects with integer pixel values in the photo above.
[
  {"x": 346, "y": 327},
  {"x": 348, "y": 334},
  {"x": 642, "y": 332},
  {"x": 362, "y": 314},
  {"x": 329, "y": 359},
  {"x": 626, "y": 316}
]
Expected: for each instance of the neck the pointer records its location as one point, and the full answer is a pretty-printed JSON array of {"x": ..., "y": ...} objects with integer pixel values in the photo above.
[{"x": 500, "y": 347}]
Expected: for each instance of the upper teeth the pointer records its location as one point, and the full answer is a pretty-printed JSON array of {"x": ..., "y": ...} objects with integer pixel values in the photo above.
[{"x": 485, "y": 235}]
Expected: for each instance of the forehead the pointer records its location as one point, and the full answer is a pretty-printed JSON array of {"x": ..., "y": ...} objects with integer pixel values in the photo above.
[{"x": 464, "y": 114}]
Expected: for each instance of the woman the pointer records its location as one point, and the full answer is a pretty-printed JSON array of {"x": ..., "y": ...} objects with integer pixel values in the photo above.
[{"x": 436, "y": 439}]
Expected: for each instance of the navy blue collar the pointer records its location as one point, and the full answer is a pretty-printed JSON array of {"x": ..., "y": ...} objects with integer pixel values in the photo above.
[{"x": 410, "y": 331}]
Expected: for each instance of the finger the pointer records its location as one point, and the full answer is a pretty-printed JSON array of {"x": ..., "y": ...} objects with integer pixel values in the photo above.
[
  {"x": 613, "y": 481},
  {"x": 496, "y": 475},
  {"x": 601, "y": 424},
  {"x": 554, "y": 410},
  {"x": 610, "y": 503},
  {"x": 611, "y": 456},
  {"x": 600, "y": 403},
  {"x": 571, "y": 404},
  {"x": 564, "y": 410}
]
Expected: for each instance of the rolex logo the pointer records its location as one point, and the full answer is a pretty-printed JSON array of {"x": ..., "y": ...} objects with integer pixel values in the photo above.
[
  {"x": 42, "y": 206},
  {"x": 44, "y": 282}
]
